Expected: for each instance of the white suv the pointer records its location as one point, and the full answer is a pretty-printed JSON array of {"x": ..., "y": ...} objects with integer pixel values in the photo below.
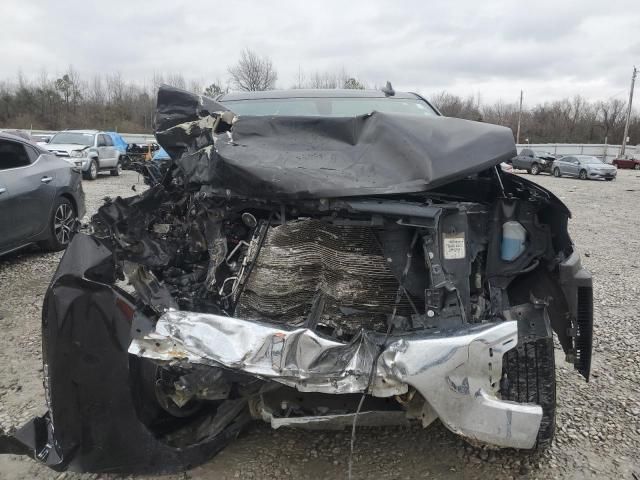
[{"x": 90, "y": 150}]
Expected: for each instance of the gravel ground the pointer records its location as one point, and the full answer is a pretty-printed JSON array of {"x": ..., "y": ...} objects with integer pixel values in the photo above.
[{"x": 598, "y": 422}]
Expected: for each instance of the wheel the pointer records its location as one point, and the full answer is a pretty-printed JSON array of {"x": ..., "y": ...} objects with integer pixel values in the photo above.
[
  {"x": 637, "y": 167},
  {"x": 556, "y": 172},
  {"x": 61, "y": 225},
  {"x": 528, "y": 170},
  {"x": 92, "y": 171},
  {"x": 529, "y": 376},
  {"x": 583, "y": 174},
  {"x": 155, "y": 409},
  {"x": 115, "y": 172},
  {"x": 535, "y": 169}
]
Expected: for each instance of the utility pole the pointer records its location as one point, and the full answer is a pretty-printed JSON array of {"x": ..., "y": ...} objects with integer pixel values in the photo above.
[
  {"x": 626, "y": 125},
  {"x": 519, "y": 118}
]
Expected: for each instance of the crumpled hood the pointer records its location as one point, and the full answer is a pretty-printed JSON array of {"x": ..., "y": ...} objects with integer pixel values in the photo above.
[{"x": 316, "y": 157}]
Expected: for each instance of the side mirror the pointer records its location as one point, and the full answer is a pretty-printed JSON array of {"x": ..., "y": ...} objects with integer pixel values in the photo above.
[{"x": 47, "y": 140}]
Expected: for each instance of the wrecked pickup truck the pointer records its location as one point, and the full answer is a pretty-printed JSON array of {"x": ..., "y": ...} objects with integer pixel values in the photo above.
[{"x": 318, "y": 261}]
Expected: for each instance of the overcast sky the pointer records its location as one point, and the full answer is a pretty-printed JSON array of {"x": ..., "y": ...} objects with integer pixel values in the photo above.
[{"x": 550, "y": 49}]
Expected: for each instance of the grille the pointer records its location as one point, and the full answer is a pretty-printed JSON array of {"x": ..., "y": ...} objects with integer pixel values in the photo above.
[{"x": 306, "y": 260}]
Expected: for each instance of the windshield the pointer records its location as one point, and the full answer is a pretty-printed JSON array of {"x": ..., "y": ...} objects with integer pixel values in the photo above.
[
  {"x": 328, "y": 107},
  {"x": 77, "y": 138},
  {"x": 590, "y": 160},
  {"x": 540, "y": 153}
]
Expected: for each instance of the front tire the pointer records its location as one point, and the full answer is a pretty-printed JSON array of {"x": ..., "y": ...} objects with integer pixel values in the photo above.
[
  {"x": 61, "y": 226},
  {"x": 92, "y": 171},
  {"x": 535, "y": 169},
  {"x": 115, "y": 172},
  {"x": 556, "y": 172},
  {"x": 583, "y": 175},
  {"x": 637, "y": 167},
  {"x": 529, "y": 376}
]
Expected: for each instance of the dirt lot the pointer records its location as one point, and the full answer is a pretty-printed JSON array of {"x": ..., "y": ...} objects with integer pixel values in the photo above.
[{"x": 598, "y": 423}]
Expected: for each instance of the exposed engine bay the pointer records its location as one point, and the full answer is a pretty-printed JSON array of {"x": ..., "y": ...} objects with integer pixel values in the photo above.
[{"x": 312, "y": 295}]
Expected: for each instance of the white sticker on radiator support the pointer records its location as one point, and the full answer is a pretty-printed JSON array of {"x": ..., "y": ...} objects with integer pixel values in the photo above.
[{"x": 453, "y": 246}]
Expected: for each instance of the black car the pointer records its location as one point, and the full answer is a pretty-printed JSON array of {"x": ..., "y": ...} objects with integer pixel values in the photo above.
[
  {"x": 315, "y": 259},
  {"x": 533, "y": 161},
  {"x": 41, "y": 196}
]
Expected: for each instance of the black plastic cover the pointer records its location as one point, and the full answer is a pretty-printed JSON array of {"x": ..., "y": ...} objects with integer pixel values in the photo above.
[
  {"x": 90, "y": 387},
  {"x": 317, "y": 157}
]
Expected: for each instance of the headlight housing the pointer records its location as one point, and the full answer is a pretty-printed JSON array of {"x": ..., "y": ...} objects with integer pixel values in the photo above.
[{"x": 78, "y": 153}]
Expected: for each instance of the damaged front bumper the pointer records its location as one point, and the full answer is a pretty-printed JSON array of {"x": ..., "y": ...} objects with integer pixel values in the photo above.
[
  {"x": 456, "y": 371},
  {"x": 91, "y": 342}
]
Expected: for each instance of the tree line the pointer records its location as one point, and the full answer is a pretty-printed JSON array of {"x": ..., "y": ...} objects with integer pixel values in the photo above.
[
  {"x": 111, "y": 102},
  {"x": 570, "y": 120}
]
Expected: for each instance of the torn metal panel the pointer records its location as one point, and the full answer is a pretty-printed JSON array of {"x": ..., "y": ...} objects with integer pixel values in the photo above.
[
  {"x": 145, "y": 283},
  {"x": 457, "y": 372},
  {"x": 216, "y": 245},
  {"x": 295, "y": 357}
]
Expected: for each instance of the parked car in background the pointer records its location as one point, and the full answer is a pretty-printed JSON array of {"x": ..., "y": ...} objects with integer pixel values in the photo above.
[
  {"x": 41, "y": 196},
  {"x": 533, "y": 161},
  {"x": 627, "y": 163},
  {"x": 19, "y": 133},
  {"x": 42, "y": 138},
  {"x": 584, "y": 167},
  {"x": 90, "y": 150}
]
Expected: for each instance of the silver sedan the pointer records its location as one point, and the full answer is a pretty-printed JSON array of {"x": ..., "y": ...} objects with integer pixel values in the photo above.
[
  {"x": 584, "y": 167},
  {"x": 41, "y": 196}
]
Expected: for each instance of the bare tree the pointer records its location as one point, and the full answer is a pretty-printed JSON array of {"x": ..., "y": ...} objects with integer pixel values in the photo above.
[
  {"x": 176, "y": 80},
  {"x": 455, "y": 106},
  {"x": 195, "y": 86},
  {"x": 156, "y": 81},
  {"x": 324, "y": 80},
  {"x": 96, "y": 91},
  {"x": 213, "y": 90},
  {"x": 253, "y": 73},
  {"x": 612, "y": 113},
  {"x": 352, "y": 83},
  {"x": 115, "y": 88},
  {"x": 300, "y": 79},
  {"x": 111, "y": 101}
]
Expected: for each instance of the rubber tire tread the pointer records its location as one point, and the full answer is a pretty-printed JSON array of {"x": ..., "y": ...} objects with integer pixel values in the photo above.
[{"x": 530, "y": 378}]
